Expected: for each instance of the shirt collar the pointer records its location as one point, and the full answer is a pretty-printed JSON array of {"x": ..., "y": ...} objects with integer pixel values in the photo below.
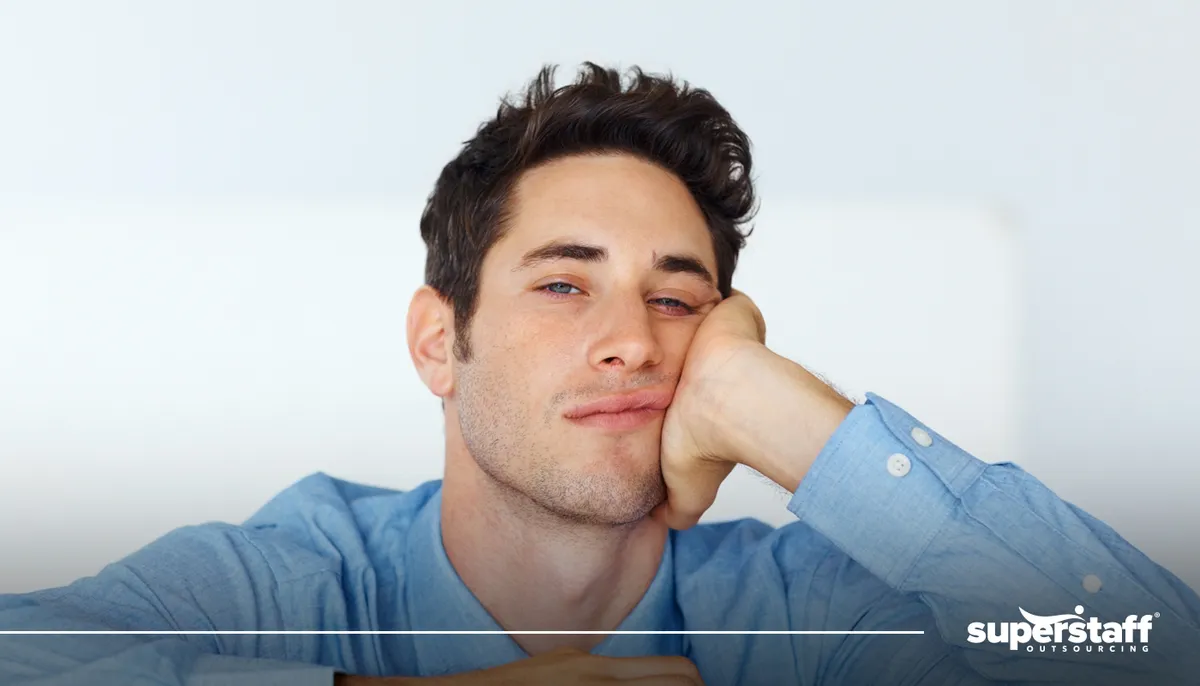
[{"x": 438, "y": 600}]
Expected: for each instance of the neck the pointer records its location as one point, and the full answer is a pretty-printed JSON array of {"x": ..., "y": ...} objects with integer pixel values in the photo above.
[{"x": 534, "y": 570}]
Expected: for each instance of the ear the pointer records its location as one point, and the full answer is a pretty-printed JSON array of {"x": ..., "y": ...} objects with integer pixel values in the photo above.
[{"x": 430, "y": 340}]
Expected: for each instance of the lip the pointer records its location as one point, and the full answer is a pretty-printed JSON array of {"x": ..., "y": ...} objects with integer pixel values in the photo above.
[
  {"x": 619, "y": 421},
  {"x": 649, "y": 399},
  {"x": 622, "y": 411}
]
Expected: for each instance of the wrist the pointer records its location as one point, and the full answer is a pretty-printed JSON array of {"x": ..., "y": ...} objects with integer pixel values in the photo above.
[{"x": 781, "y": 418}]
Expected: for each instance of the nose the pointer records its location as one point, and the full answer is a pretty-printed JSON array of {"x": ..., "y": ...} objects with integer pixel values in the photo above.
[{"x": 626, "y": 338}]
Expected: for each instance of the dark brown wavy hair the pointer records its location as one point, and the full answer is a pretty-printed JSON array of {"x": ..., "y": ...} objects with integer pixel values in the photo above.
[{"x": 680, "y": 128}]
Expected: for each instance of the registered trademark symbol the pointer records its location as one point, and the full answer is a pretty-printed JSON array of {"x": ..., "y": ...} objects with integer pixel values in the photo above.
[{"x": 1157, "y": 615}]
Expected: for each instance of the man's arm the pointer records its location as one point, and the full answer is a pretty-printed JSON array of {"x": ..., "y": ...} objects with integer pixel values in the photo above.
[
  {"x": 979, "y": 543},
  {"x": 972, "y": 542},
  {"x": 199, "y": 579}
]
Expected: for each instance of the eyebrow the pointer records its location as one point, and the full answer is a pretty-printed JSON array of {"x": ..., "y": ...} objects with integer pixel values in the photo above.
[
  {"x": 560, "y": 250},
  {"x": 685, "y": 264}
]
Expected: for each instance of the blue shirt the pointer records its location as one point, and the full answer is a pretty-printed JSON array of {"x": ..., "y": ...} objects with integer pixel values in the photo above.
[{"x": 898, "y": 529}]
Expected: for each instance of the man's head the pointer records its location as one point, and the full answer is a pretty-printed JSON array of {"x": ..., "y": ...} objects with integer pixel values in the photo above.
[{"x": 574, "y": 246}]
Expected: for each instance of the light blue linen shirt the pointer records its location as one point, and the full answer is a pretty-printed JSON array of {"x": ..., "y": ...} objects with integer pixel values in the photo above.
[{"x": 898, "y": 530}]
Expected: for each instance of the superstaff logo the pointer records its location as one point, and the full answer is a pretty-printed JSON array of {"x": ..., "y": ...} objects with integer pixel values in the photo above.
[{"x": 1067, "y": 633}]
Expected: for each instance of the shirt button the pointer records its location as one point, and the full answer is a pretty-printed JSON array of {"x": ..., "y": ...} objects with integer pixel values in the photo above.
[
  {"x": 1091, "y": 583},
  {"x": 921, "y": 436},
  {"x": 898, "y": 465}
]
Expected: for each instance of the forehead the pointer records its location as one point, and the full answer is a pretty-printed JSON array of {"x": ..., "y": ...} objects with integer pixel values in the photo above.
[{"x": 619, "y": 201}]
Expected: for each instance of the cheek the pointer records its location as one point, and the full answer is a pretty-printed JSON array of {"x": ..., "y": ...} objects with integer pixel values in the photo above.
[
  {"x": 531, "y": 348},
  {"x": 675, "y": 337},
  {"x": 532, "y": 335}
]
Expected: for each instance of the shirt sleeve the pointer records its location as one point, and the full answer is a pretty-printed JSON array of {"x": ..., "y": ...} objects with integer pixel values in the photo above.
[
  {"x": 195, "y": 579},
  {"x": 987, "y": 547}
]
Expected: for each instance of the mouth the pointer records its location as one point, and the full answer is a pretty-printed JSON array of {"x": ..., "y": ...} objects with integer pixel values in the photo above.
[
  {"x": 619, "y": 421},
  {"x": 622, "y": 412}
]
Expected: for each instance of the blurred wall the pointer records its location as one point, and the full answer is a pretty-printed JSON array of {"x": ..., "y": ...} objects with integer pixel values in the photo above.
[
  {"x": 170, "y": 365},
  {"x": 1076, "y": 118}
]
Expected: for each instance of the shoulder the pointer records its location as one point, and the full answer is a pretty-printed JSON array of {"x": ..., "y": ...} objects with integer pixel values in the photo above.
[
  {"x": 322, "y": 497},
  {"x": 338, "y": 522},
  {"x": 317, "y": 525},
  {"x": 314, "y": 539}
]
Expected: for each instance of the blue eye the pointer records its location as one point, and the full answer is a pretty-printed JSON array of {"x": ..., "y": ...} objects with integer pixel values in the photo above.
[
  {"x": 672, "y": 305},
  {"x": 675, "y": 304},
  {"x": 560, "y": 287}
]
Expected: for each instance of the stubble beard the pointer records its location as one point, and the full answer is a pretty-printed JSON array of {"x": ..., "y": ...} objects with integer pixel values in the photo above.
[{"x": 502, "y": 438}]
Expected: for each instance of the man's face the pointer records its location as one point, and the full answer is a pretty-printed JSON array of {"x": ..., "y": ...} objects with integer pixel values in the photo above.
[{"x": 593, "y": 294}]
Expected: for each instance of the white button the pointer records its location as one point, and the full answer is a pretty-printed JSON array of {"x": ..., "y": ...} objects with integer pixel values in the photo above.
[
  {"x": 921, "y": 436},
  {"x": 1091, "y": 583},
  {"x": 898, "y": 465}
]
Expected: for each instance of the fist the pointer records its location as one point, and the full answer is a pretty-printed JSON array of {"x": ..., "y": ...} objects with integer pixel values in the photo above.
[{"x": 696, "y": 454}]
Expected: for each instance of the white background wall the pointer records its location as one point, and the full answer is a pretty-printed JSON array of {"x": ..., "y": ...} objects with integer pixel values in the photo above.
[
  {"x": 1074, "y": 120},
  {"x": 177, "y": 365}
]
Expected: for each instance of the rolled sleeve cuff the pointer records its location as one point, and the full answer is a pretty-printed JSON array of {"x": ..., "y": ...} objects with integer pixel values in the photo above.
[{"x": 879, "y": 494}]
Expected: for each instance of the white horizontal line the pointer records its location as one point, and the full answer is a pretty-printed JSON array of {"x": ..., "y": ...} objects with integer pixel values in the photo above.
[{"x": 459, "y": 633}]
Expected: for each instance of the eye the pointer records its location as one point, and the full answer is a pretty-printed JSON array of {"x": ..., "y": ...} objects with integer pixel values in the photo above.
[
  {"x": 675, "y": 305},
  {"x": 559, "y": 288}
]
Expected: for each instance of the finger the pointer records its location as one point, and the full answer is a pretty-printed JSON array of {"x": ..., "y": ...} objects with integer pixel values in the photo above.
[
  {"x": 682, "y": 512},
  {"x": 658, "y": 667},
  {"x": 691, "y": 493},
  {"x": 685, "y": 514},
  {"x": 760, "y": 323},
  {"x": 681, "y": 521},
  {"x": 757, "y": 321}
]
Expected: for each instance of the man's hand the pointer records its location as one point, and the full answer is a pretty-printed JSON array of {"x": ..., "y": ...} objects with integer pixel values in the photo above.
[
  {"x": 562, "y": 666},
  {"x": 695, "y": 456},
  {"x": 739, "y": 403}
]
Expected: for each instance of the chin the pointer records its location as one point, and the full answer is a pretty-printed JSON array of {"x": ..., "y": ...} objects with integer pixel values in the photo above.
[{"x": 611, "y": 497}]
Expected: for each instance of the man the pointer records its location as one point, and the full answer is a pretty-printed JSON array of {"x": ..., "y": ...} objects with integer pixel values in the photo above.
[{"x": 600, "y": 378}]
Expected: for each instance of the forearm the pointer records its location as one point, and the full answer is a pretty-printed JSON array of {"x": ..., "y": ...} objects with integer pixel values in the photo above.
[
  {"x": 779, "y": 429},
  {"x": 976, "y": 542}
]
